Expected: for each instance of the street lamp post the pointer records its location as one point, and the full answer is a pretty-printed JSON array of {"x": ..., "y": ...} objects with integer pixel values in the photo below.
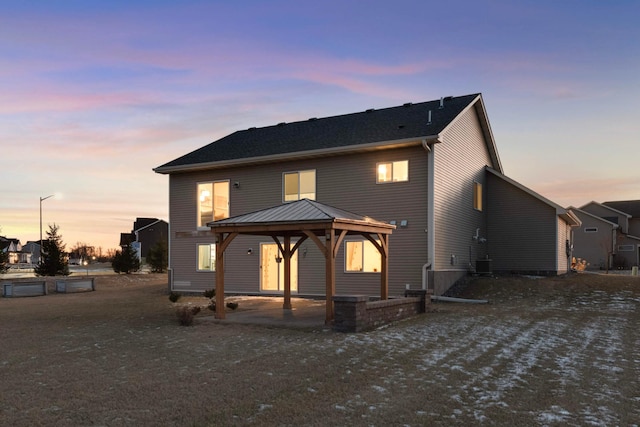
[{"x": 42, "y": 199}]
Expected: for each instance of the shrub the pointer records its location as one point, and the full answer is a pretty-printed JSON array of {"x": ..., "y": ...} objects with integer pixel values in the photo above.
[
  {"x": 232, "y": 305},
  {"x": 126, "y": 261},
  {"x": 185, "y": 315},
  {"x": 210, "y": 293},
  {"x": 174, "y": 296},
  {"x": 212, "y": 306}
]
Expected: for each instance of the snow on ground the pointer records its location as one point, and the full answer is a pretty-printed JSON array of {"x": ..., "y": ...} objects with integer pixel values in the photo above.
[{"x": 493, "y": 361}]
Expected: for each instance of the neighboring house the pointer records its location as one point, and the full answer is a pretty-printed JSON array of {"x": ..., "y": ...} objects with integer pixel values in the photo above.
[
  {"x": 146, "y": 233},
  {"x": 595, "y": 240},
  {"x": 13, "y": 248},
  {"x": 623, "y": 243},
  {"x": 33, "y": 250},
  {"x": 431, "y": 169},
  {"x": 632, "y": 209}
]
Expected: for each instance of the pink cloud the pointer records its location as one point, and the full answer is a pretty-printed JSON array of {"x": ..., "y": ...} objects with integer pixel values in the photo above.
[{"x": 579, "y": 191}]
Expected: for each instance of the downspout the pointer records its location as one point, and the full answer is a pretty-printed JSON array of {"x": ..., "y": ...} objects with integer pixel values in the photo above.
[{"x": 431, "y": 242}]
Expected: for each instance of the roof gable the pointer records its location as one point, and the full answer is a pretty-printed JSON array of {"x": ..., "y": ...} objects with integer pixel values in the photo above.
[
  {"x": 409, "y": 123},
  {"x": 592, "y": 216},
  {"x": 610, "y": 208},
  {"x": 563, "y": 213}
]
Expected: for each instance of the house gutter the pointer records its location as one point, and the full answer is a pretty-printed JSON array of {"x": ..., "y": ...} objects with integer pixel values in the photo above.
[
  {"x": 431, "y": 222},
  {"x": 380, "y": 145}
]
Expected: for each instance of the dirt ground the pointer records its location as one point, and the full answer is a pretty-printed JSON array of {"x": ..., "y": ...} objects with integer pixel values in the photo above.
[{"x": 559, "y": 351}]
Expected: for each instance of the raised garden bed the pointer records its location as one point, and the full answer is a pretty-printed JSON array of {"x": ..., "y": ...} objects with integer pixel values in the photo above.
[{"x": 24, "y": 288}]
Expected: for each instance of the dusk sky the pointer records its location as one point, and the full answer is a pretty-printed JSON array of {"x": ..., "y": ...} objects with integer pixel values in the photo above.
[{"x": 95, "y": 94}]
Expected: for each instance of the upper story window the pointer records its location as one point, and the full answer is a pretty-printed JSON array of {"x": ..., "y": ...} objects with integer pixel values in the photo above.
[
  {"x": 299, "y": 185},
  {"x": 361, "y": 256},
  {"x": 392, "y": 171},
  {"x": 213, "y": 202},
  {"x": 591, "y": 229},
  {"x": 477, "y": 196}
]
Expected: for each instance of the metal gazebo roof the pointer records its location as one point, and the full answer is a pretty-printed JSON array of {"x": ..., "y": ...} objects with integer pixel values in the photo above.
[{"x": 325, "y": 225}]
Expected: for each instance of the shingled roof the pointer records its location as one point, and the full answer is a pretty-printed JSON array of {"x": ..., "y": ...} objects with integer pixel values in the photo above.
[
  {"x": 631, "y": 207},
  {"x": 403, "y": 123}
]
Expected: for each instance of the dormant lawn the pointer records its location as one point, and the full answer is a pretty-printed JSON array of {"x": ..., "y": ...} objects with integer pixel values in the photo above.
[{"x": 560, "y": 351}]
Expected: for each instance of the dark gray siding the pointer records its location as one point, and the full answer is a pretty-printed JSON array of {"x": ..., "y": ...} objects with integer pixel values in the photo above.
[
  {"x": 522, "y": 230},
  {"x": 459, "y": 161},
  {"x": 592, "y": 247},
  {"x": 604, "y": 212},
  {"x": 347, "y": 182},
  {"x": 634, "y": 227}
]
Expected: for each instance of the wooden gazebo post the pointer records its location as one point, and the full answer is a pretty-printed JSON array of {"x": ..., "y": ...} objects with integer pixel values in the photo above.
[
  {"x": 286, "y": 253},
  {"x": 219, "y": 313},
  {"x": 330, "y": 274}
]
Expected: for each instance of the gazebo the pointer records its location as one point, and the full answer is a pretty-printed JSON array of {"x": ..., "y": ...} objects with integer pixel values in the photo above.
[{"x": 325, "y": 225}]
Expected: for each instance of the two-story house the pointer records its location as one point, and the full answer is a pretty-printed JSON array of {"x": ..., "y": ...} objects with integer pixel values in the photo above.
[
  {"x": 431, "y": 169},
  {"x": 146, "y": 233},
  {"x": 609, "y": 237}
]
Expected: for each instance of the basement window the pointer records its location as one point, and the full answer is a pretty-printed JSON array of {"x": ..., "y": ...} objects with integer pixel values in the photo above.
[{"x": 625, "y": 248}]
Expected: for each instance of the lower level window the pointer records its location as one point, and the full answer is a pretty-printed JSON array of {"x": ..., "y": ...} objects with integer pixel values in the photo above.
[
  {"x": 206, "y": 257},
  {"x": 625, "y": 248},
  {"x": 362, "y": 256}
]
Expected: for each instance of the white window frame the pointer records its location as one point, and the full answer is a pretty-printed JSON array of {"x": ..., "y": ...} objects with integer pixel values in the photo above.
[
  {"x": 364, "y": 251},
  {"x": 284, "y": 184},
  {"x": 212, "y": 267},
  {"x": 391, "y": 165},
  {"x": 591, "y": 229},
  {"x": 477, "y": 196},
  {"x": 213, "y": 206}
]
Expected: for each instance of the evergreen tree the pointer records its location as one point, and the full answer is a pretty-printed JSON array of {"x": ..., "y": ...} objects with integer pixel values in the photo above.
[
  {"x": 126, "y": 261},
  {"x": 53, "y": 261},
  {"x": 158, "y": 257},
  {"x": 4, "y": 261}
]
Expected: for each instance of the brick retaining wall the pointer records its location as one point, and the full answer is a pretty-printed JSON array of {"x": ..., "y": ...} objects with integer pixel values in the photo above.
[{"x": 355, "y": 313}]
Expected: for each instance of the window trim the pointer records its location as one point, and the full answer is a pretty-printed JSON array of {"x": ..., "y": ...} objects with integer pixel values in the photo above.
[
  {"x": 364, "y": 242},
  {"x": 298, "y": 172},
  {"x": 391, "y": 162},
  {"x": 590, "y": 229},
  {"x": 213, "y": 258},
  {"x": 626, "y": 248},
  {"x": 213, "y": 208}
]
